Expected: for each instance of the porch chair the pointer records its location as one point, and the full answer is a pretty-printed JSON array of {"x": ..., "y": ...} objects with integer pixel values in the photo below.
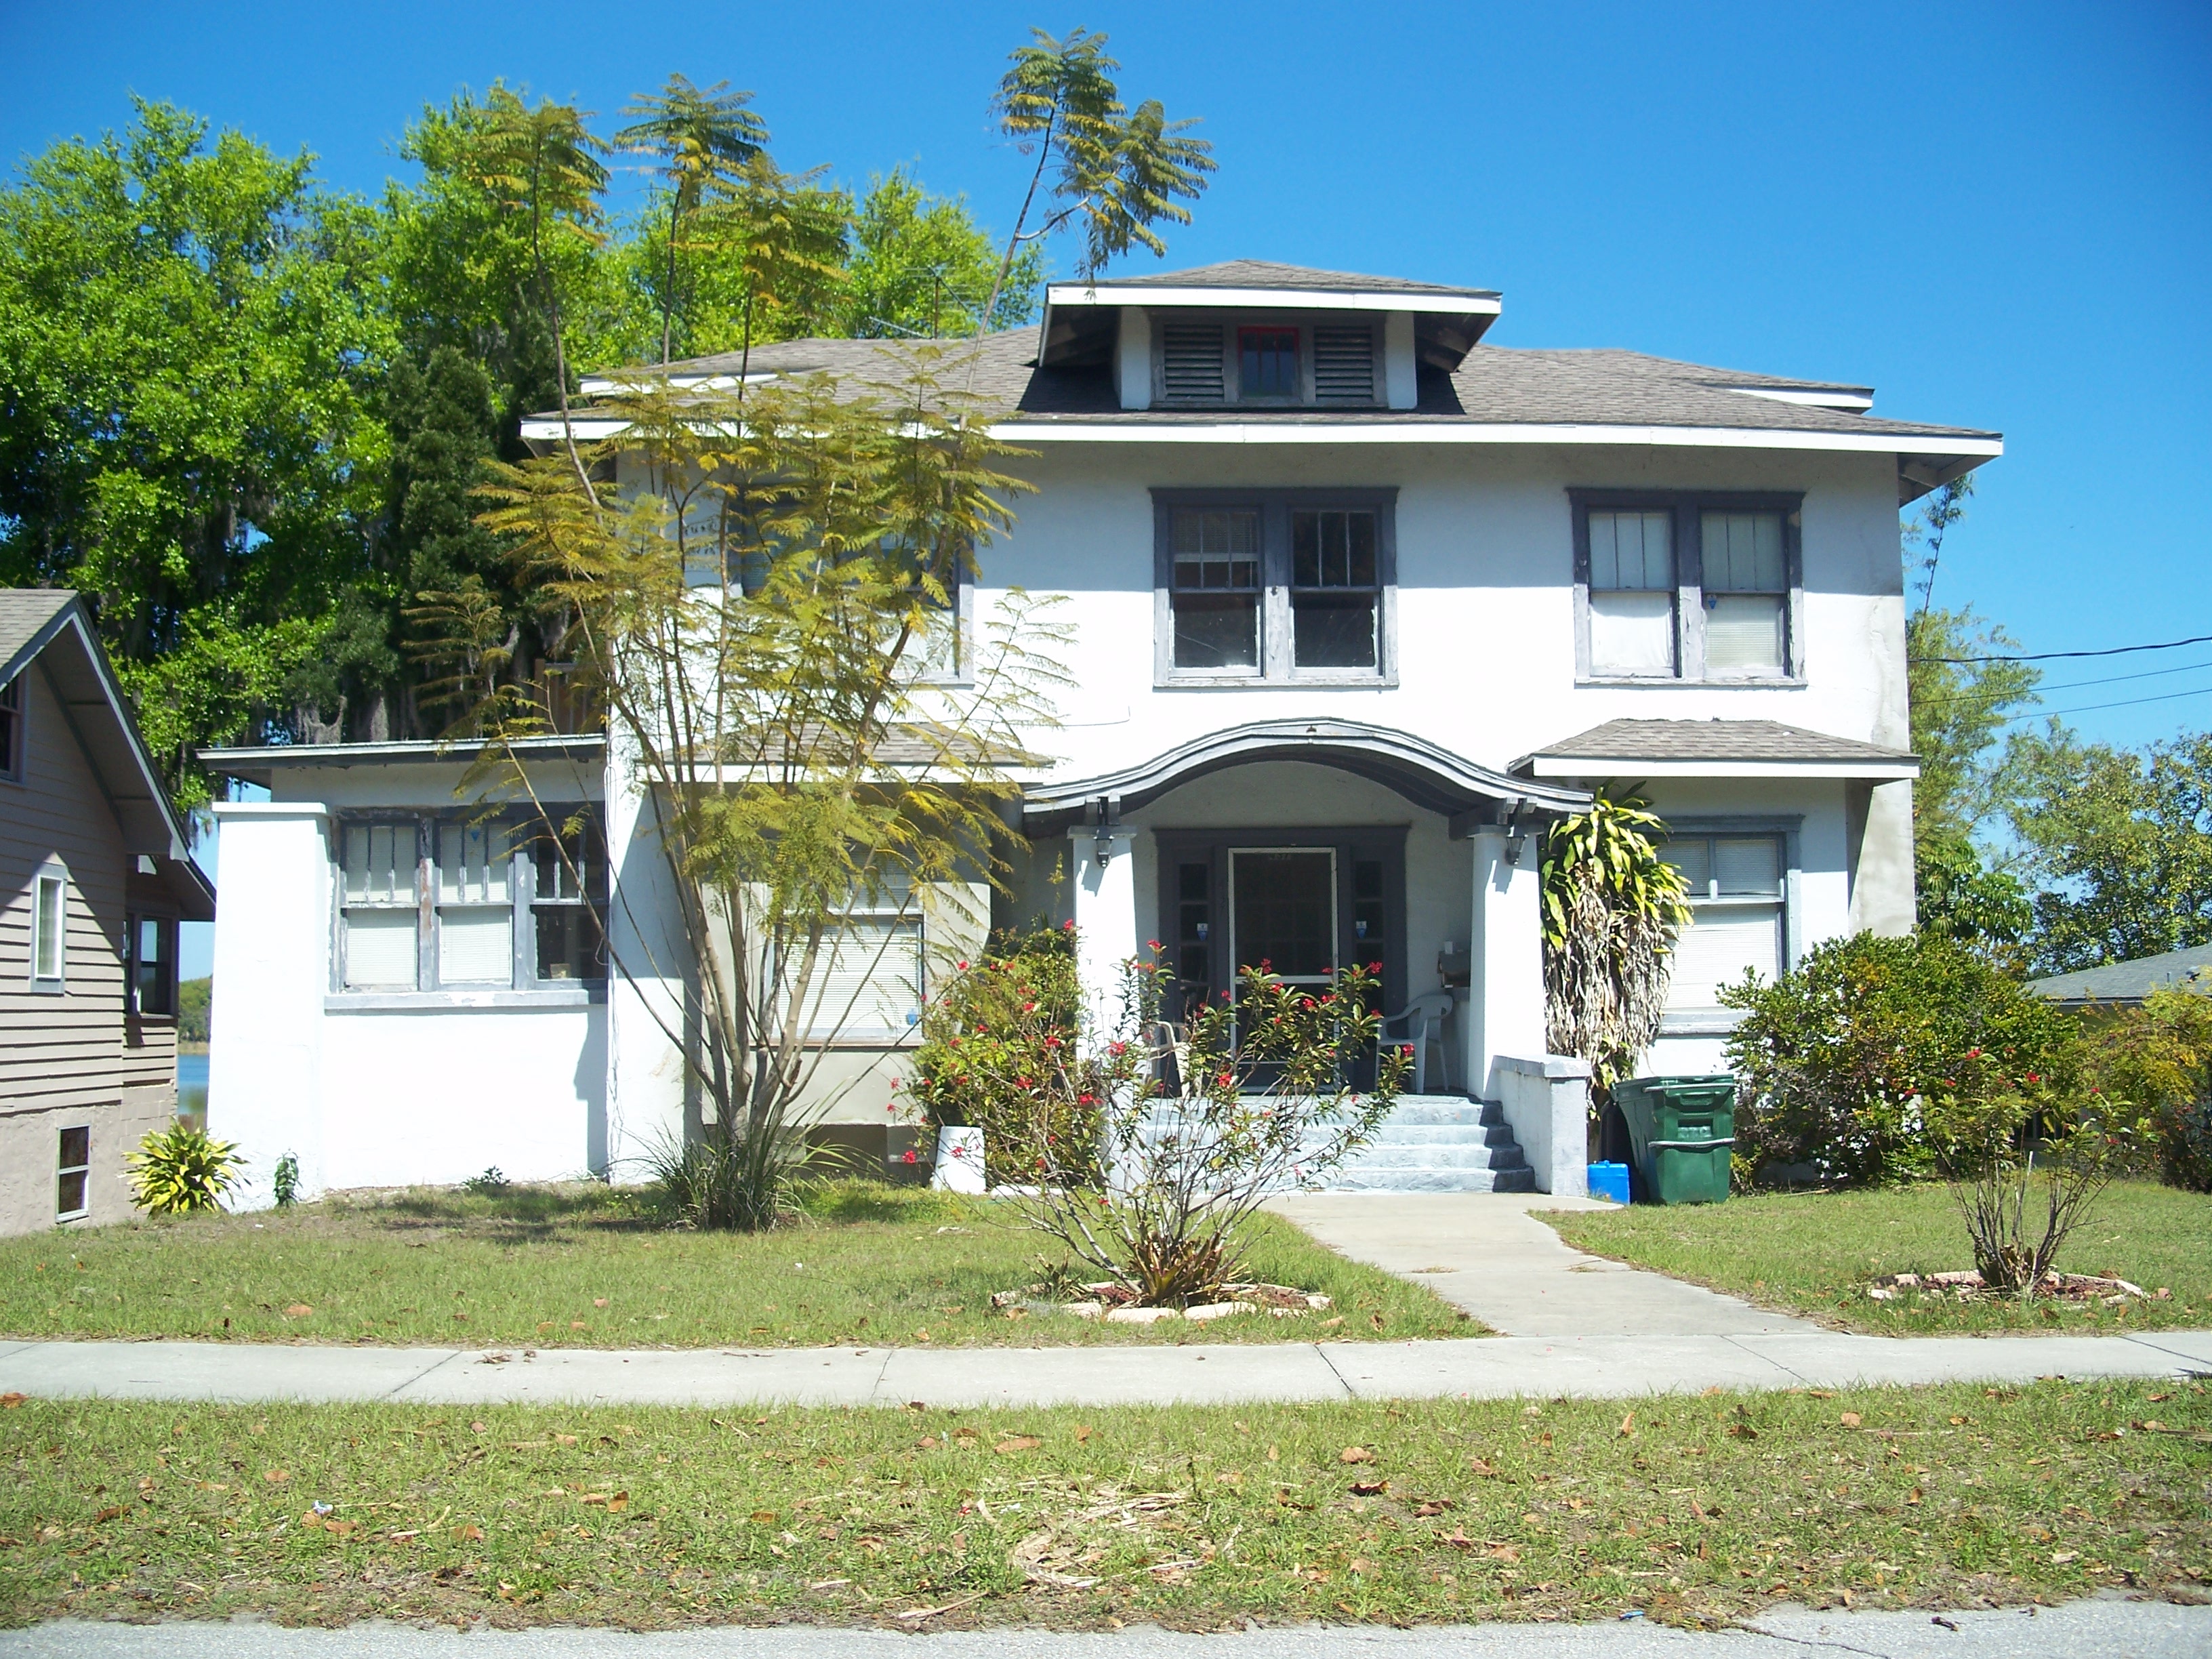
[{"x": 1420, "y": 1023}]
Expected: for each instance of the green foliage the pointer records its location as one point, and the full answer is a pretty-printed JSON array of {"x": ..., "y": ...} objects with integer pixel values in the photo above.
[
  {"x": 488, "y": 1183},
  {"x": 179, "y": 1172},
  {"x": 2159, "y": 1058},
  {"x": 699, "y": 140},
  {"x": 188, "y": 334},
  {"x": 1964, "y": 898},
  {"x": 1846, "y": 1061},
  {"x": 2027, "y": 1164},
  {"x": 2121, "y": 843},
  {"x": 1254, "y": 1096},
  {"x": 921, "y": 266},
  {"x": 1612, "y": 907},
  {"x": 195, "y": 1003},
  {"x": 285, "y": 1182},
  {"x": 999, "y": 1051}
]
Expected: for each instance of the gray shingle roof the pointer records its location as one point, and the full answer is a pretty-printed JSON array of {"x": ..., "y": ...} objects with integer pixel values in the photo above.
[
  {"x": 1494, "y": 385},
  {"x": 1266, "y": 273},
  {"x": 1711, "y": 740},
  {"x": 24, "y": 614},
  {"x": 2132, "y": 981}
]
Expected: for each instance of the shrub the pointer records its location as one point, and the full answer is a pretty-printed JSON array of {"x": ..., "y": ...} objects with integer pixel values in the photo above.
[
  {"x": 286, "y": 1180},
  {"x": 2027, "y": 1167},
  {"x": 179, "y": 1172},
  {"x": 1000, "y": 1052},
  {"x": 2159, "y": 1058},
  {"x": 1838, "y": 1060},
  {"x": 1254, "y": 1099}
]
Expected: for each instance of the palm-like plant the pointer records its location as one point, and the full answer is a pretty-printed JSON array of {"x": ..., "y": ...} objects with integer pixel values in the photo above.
[
  {"x": 700, "y": 140},
  {"x": 1611, "y": 909}
]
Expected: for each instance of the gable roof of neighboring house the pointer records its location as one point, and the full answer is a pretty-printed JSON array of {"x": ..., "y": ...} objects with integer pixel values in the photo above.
[
  {"x": 52, "y": 626},
  {"x": 1495, "y": 394},
  {"x": 1713, "y": 748},
  {"x": 2125, "y": 983}
]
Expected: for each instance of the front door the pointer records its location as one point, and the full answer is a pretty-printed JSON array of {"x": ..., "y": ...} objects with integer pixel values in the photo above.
[{"x": 1282, "y": 908}]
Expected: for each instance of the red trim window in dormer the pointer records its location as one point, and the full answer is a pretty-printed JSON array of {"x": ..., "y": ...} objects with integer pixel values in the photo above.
[{"x": 1267, "y": 362}]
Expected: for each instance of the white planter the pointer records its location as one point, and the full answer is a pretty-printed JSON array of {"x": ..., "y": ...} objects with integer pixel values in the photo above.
[{"x": 959, "y": 1161}]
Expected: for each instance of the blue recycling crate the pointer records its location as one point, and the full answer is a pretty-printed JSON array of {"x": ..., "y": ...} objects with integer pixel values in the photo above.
[{"x": 1609, "y": 1181}]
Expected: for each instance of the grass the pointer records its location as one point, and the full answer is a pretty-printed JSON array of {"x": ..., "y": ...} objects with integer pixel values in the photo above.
[
  {"x": 588, "y": 1266},
  {"x": 1815, "y": 1254},
  {"x": 1696, "y": 1509}
]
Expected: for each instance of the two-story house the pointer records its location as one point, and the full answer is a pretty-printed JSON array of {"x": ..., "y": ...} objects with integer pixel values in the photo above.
[
  {"x": 95, "y": 878},
  {"x": 1360, "y": 604}
]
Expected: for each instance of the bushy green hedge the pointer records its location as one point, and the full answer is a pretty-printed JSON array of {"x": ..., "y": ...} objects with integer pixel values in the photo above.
[
  {"x": 1851, "y": 1062},
  {"x": 2159, "y": 1059}
]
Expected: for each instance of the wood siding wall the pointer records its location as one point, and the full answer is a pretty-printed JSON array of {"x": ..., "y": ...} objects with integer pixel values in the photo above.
[{"x": 77, "y": 1049}]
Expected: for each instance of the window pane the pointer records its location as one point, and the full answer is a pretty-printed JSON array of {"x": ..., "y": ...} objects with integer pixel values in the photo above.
[
  {"x": 1333, "y": 549},
  {"x": 1694, "y": 859},
  {"x": 1360, "y": 548},
  {"x": 68, "y": 1196},
  {"x": 475, "y": 945},
  {"x": 1305, "y": 549},
  {"x": 1745, "y": 634},
  {"x": 1333, "y": 630},
  {"x": 1268, "y": 362},
  {"x": 379, "y": 950},
  {"x": 872, "y": 982},
  {"x": 1631, "y": 633},
  {"x": 474, "y": 865},
  {"x": 1715, "y": 949},
  {"x": 48, "y": 915},
  {"x": 1214, "y": 530},
  {"x": 1634, "y": 551},
  {"x": 1217, "y": 630},
  {"x": 569, "y": 943},
  {"x": 1752, "y": 865},
  {"x": 76, "y": 1148},
  {"x": 379, "y": 864},
  {"x": 1743, "y": 553}
]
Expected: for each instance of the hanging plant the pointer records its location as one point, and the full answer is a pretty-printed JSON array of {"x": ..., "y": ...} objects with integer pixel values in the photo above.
[{"x": 1612, "y": 909}]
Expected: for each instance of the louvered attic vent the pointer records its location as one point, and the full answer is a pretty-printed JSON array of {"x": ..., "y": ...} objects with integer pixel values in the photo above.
[
  {"x": 1344, "y": 364},
  {"x": 1191, "y": 371}
]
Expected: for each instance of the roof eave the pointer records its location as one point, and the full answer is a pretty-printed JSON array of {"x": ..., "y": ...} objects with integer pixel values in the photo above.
[{"x": 1614, "y": 766}]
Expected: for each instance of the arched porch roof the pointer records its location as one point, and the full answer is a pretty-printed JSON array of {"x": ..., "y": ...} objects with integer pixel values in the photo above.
[{"x": 1428, "y": 776}]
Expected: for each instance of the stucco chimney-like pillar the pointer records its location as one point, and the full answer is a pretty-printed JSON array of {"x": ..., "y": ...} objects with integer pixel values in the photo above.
[
  {"x": 1105, "y": 871},
  {"x": 1505, "y": 993}
]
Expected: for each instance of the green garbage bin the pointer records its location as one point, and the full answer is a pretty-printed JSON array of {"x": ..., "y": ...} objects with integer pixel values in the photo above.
[{"x": 1683, "y": 1132}]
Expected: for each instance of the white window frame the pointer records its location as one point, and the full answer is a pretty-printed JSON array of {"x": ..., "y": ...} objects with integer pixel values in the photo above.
[
  {"x": 1786, "y": 829},
  {"x": 1686, "y": 508},
  {"x": 63, "y": 1171},
  {"x": 51, "y": 877},
  {"x": 1277, "y": 666}
]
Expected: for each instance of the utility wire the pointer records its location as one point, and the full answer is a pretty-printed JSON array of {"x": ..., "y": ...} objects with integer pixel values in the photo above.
[
  {"x": 2129, "y": 703},
  {"x": 2070, "y": 685},
  {"x": 2053, "y": 656}
]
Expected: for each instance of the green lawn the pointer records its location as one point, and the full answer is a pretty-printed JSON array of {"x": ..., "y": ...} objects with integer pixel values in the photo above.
[
  {"x": 587, "y": 1267},
  {"x": 1696, "y": 1509},
  {"x": 1816, "y": 1253}
]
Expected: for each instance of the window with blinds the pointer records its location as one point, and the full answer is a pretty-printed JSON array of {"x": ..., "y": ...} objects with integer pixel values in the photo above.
[
  {"x": 379, "y": 912},
  {"x": 1746, "y": 588},
  {"x": 1344, "y": 364},
  {"x": 1632, "y": 592},
  {"x": 1191, "y": 366},
  {"x": 873, "y": 986},
  {"x": 1736, "y": 898},
  {"x": 476, "y": 905}
]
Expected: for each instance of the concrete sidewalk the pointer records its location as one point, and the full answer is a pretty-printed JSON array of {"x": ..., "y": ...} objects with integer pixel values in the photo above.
[
  {"x": 1479, "y": 1368},
  {"x": 1484, "y": 1252}
]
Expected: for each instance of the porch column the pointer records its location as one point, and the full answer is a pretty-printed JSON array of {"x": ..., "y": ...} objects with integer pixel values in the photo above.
[
  {"x": 1105, "y": 908},
  {"x": 1505, "y": 990}
]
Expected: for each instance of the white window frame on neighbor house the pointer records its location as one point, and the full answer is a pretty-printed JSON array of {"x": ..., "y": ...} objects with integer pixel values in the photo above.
[
  {"x": 65, "y": 1172},
  {"x": 460, "y": 866},
  {"x": 49, "y": 956},
  {"x": 1784, "y": 832},
  {"x": 1697, "y": 599},
  {"x": 1276, "y": 600}
]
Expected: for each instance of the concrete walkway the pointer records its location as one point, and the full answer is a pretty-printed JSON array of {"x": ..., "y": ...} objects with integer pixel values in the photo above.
[
  {"x": 1477, "y": 1368},
  {"x": 1484, "y": 1252}
]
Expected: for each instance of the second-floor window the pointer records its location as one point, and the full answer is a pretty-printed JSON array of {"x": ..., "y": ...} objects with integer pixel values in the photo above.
[
  {"x": 11, "y": 730},
  {"x": 1687, "y": 587},
  {"x": 1267, "y": 362},
  {"x": 153, "y": 964},
  {"x": 1290, "y": 585}
]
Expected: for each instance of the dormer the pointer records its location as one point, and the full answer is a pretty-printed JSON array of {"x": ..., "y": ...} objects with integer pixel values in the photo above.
[{"x": 1252, "y": 336}]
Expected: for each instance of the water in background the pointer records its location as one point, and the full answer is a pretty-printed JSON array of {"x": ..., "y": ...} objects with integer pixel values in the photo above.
[{"x": 192, "y": 1083}]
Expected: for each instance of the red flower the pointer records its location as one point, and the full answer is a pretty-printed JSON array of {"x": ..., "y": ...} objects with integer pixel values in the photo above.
[
  {"x": 2034, "y": 1076},
  {"x": 1086, "y": 1100},
  {"x": 961, "y": 966},
  {"x": 1225, "y": 1079},
  {"x": 909, "y": 1154},
  {"x": 1374, "y": 967},
  {"x": 1067, "y": 926},
  {"x": 1153, "y": 944},
  {"x": 1973, "y": 1054}
]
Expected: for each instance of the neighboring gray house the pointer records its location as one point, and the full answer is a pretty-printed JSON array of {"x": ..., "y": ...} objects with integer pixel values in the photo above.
[
  {"x": 94, "y": 877},
  {"x": 2126, "y": 984}
]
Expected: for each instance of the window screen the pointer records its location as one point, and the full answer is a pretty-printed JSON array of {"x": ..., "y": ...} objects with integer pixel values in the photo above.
[
  {"x": 1747, "y": 585},
  {"x": 476, "y": 905},
  {"x": 1632, "y": 592},
  {"x": 1334, "y": 589},
  {"x": 1216, "y": 591}
]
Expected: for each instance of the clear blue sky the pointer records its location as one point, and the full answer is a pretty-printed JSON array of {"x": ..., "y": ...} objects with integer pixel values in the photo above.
[{"x": 1998, "y": 216}]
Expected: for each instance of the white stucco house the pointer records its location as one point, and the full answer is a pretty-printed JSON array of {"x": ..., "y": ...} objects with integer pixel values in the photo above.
[{"x": 1360, "y": 603}]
